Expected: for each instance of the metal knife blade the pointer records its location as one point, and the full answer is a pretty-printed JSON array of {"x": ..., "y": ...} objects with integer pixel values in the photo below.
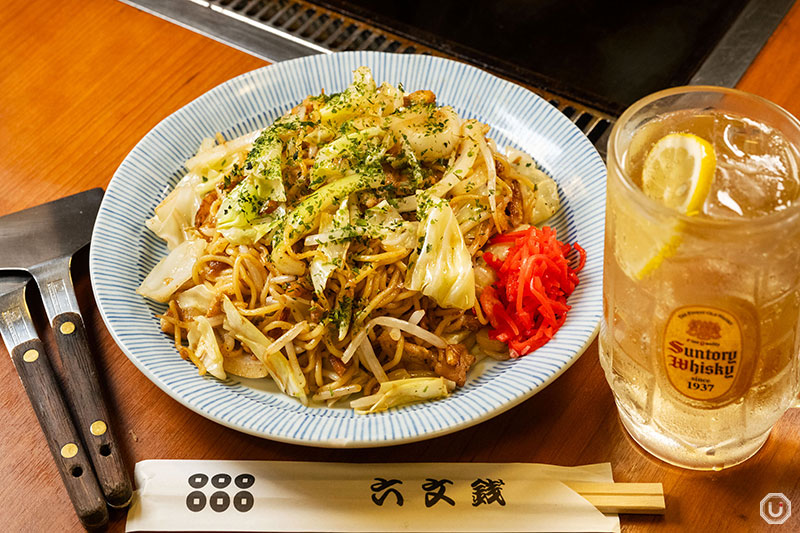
[
  {"x": 49, "y": 231},
  {"x": 13, "y": 326}
]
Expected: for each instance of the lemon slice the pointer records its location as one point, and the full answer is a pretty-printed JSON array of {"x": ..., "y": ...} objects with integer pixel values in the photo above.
[{"x": 677, "y": 172}]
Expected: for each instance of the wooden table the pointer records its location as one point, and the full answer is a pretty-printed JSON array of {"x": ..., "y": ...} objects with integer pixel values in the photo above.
[{"x": 82, "y": 81}]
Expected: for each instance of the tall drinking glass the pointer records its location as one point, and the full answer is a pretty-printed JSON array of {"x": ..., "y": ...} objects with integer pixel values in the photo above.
[{"x": 699, "y": 338}]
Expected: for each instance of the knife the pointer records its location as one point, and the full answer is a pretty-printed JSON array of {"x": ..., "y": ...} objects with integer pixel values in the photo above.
[
  {"x": 43, "y": 240},
  {"x": 36, "y": 373}
]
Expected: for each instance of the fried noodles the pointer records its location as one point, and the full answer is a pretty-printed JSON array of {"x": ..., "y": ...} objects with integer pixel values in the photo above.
[{"x": 338, "y": 251}]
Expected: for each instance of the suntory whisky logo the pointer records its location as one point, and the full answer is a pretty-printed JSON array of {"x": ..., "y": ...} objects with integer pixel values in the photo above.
[
  {"x": 702, "y": 351},
  {"x": 704, "y": 329}
]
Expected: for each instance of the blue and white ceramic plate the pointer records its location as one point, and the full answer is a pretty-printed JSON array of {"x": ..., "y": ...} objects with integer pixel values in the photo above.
[{"x": 123, "y": 251}]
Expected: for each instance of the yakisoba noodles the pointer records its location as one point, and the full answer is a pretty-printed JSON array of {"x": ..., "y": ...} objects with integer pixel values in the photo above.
[{"x": 338, "y": 251}]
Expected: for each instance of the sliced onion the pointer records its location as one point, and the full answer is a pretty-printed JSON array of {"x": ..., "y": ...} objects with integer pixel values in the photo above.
[
  {"x": 493, "y": 348},
  {"x": 468, "y": 224},
  {"x": 365, "y": 401},
  {"x": 463, "y": 163}
]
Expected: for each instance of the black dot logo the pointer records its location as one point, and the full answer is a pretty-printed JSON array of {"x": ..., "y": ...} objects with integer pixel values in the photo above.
[
  {"x": 196, "y": 501},
  {"x": 243, "y": 501},
  {"x": 245, "y": 481},
  {"x": 198, "y": 481},
  {"x": 221, "y": 481},
  {"x": 220, "y": 501}
]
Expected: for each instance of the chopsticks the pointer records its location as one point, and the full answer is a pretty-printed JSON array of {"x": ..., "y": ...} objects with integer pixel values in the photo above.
[{"x": 622, "y": 498}]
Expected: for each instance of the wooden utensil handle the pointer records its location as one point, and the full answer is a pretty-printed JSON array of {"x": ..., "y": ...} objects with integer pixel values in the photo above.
[
  {"x": 91, "y": 413},
  {"x": 36, "y": 374}
]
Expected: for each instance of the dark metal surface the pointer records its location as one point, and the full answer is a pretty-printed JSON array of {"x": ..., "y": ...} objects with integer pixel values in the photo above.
[
  {"x": 49, "y": 231},
  {"x": 740, "y": 45},
  {"x": 277, "y": 30}
]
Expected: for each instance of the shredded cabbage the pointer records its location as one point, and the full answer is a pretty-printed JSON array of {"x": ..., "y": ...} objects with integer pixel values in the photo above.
[
  {"x": 262, "y": 182},
  {"x": 402, "y": 392},
  {"x": 304, "y": 218},
  {"x": 203, "y": 342},
  {"x": 172, "y": 272},
  {"x": 175, "y": 214},
  {"x": 215, "y": 153},
  {"x": 348, "y": 154},
  {"x": 277, "y": 365},
  {"x": 195, "y": 300},
  {"x": 243, "y": 231},
  {"x": 542, "y": 201},
  {"x": 352, "y": 101},
  {"x": 430, "y": 132},
  {"x": 384, "y": 222},
  {"x": 332, "y": 254},
  {"x": 465, "y": 160},
  {"x": 442, "y": 268}
]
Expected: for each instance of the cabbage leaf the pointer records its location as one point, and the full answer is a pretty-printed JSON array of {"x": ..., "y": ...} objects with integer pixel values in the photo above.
[
  {"x": 262, "y": 182},
  {"x": 172, "y": 271},
  {"x": 359, "y": 152},
  {"x": 196, "y": 300},
  {"x": 333, "y": 253},
  {"x": 542, "y": 201},
  {"x": 384, "y": 222},
  {"x": 401, "y": 392},
  {"x": 175, "y": 214},
  {"x": 352, "y": 101},
  {"x": 442, "y": 268},
  {"x": 278, "y": 366},
  {"x": 203, "y": 342},
  {"x": 305, "y": 217}
]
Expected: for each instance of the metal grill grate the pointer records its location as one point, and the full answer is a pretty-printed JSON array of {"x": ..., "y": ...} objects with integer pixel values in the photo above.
[
  {"x": 318, "y": 25},
  {"x": 282, "y": 29}
]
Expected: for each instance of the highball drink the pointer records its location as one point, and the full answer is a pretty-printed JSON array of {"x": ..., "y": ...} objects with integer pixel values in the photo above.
[{"x": 699, "y": 339}]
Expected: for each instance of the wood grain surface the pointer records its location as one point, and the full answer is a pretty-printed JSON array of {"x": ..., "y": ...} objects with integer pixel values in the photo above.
[{"x": 81, "y": 81}]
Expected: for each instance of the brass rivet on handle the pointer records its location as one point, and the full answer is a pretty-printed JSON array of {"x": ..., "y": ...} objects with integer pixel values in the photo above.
[
  {"x": 69, "y": 450},
  {"x": 67, "y": 328},
  {"x": 30, "y": 356},
  {"x": 98, "y": 427}
]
